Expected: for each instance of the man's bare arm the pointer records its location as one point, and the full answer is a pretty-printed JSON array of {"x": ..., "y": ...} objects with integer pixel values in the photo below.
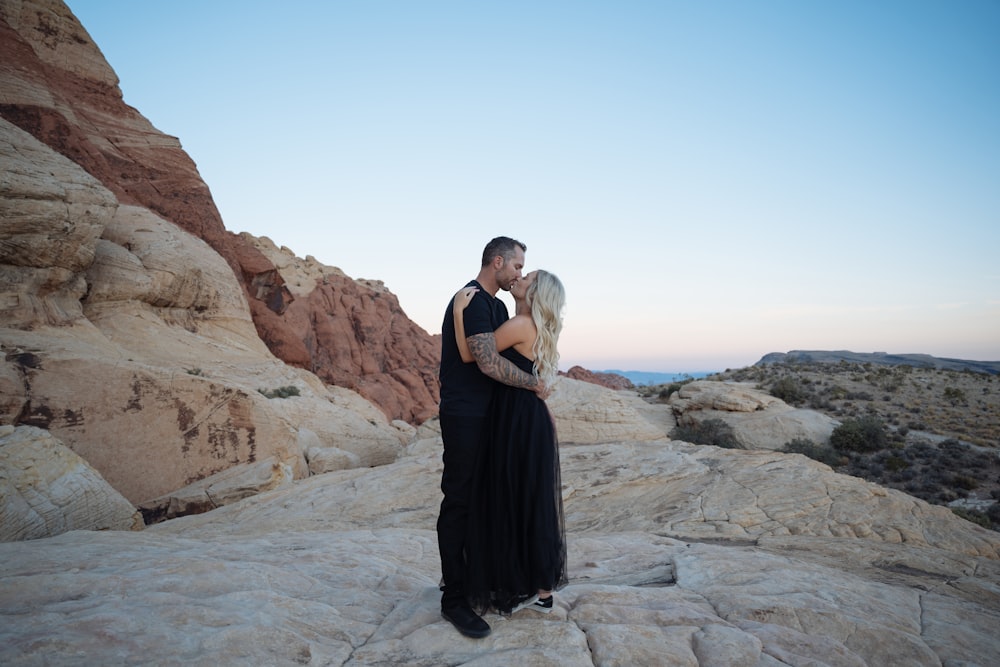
[{"x": 484, "y": 348}]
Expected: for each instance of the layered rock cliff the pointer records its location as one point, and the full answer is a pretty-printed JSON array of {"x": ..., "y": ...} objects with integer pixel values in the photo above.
[
  {"x": 131, "y": 320},
  {"x": 131, "y": 341},
  {"x": 56, "y": 86}
]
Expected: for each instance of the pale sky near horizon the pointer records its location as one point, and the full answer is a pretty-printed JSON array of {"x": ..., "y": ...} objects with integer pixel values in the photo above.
[{"x": 712, "y": 181}]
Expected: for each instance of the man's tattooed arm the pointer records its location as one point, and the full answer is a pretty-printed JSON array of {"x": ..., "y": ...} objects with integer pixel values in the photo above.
[{"x": 484, "y": 348}]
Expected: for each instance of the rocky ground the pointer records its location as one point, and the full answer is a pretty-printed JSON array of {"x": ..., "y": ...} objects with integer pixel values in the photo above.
[
  {"x": 679, "y": 554},
  {"x": 942, "y": 426},
  {"x": 953, "y": 404}
]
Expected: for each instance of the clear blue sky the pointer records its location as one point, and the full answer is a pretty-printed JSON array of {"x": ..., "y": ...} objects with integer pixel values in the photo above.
[{"x": 711, "y": 180}]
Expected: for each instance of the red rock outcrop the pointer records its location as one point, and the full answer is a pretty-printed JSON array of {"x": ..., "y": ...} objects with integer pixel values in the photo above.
[
  {"x": 609, "y": 380},
  {"x": 130, "y": 340},
  {"x": 56, "y": 85},
  {"x": 355, "y": 335}
]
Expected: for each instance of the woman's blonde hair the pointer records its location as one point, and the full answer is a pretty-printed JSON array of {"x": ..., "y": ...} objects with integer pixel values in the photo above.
[{"x": 547, "y": 298}]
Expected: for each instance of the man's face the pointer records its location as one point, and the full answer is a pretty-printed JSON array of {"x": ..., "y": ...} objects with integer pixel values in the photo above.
[{"x": 510, "y": 272}]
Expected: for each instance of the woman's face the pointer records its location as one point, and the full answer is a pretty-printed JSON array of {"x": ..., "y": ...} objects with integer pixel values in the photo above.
[{"x": 520, "y": 288}]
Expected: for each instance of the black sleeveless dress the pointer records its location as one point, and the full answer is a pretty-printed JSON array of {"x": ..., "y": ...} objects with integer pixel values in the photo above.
[{"x": 517, "y": 538}]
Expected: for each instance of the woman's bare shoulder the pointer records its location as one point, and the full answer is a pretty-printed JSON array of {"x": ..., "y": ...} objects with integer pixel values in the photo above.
[
  {"x": 518, "y": 329},
  {"x": 521, "y": 321}
]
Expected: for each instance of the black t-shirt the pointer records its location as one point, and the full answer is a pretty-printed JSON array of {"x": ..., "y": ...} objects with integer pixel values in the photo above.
[{"x": 465, "y": 391}]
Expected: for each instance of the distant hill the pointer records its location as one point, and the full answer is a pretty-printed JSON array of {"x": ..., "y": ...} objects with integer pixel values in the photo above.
[
  {"x": 640, "y": 378},
  {"x": 881, "y": 358}
]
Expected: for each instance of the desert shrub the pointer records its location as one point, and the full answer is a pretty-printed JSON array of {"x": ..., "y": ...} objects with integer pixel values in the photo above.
[
  {"x": 709, "y": 432},
  {"x": 905, "y": 475},
  {"x": 973, "y": 516},
  {"x": 864, "y": 434},
  {"x": 896, "y": 463},
  {"x": 964, "y": 482},
  {"x": 816, "y": 452},
  {"x": 837, "y": 393},
  {"x": 672, "y": 387},
  {"x": 819, "y": 403},
  {"x": 954, "y": 396},
  {"x": 994, "y": 514},
  {"x": 892, "y": 385},
  {"x": 953, "y": 446},
  {"x": 788, "y": 389},
  {"x": 944, "y": 496},
  {"x": 280, "y": 392},
  {"x": 957, "y": 454}
]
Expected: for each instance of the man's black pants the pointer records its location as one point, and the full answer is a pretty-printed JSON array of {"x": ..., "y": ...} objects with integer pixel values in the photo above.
[{"x": 461, "y": 436}]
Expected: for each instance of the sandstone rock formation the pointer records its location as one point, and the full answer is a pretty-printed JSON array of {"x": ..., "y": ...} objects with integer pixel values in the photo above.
[
  {"x": 356, "y": 335},
  {"x": 759, "y": 420},
  {"x": 609, "y": 380},
  {"x": 46, "y": 489},
  {"x": 56, "y": 85},
  {"x": 679, "y": 554},
  {"x": 586, "y": 413},
  {"x": 230, "y": 485},
  {"x": 583, "y": 413},
  {"x": 131, "y": 341}
]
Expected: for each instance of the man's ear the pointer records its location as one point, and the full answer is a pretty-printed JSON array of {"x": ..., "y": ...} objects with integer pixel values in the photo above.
[{"x": 498, "y": 262}]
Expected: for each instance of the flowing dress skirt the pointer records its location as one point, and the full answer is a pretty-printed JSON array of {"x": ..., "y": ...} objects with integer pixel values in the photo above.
[{"x": 517, "y": 539}]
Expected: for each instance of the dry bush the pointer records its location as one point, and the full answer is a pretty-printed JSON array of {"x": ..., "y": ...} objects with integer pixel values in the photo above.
[{"x": 941, "y": 427}]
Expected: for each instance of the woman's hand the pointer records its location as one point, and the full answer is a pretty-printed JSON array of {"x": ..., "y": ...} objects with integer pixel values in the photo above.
[{"x": 463, "y": 298}]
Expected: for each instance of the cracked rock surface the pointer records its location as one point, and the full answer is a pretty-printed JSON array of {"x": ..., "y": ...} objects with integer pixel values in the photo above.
[{"x": 679, "y": 554}]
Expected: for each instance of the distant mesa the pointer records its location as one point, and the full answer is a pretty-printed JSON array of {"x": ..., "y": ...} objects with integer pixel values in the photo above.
[
  {"x": 646, "y": 378},
  {"x": 880, "y": 358}
]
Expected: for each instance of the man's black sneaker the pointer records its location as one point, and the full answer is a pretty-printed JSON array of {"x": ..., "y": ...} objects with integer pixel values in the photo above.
[
  {"x": 543, "y": 605},
  {"x": 466, "y": 621}
]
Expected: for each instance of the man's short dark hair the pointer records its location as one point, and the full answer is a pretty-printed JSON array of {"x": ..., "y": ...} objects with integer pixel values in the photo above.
[{"x": 503, "y": 246}]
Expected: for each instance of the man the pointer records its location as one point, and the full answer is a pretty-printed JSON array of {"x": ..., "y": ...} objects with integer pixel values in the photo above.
[{"x": 466, "y": 390}]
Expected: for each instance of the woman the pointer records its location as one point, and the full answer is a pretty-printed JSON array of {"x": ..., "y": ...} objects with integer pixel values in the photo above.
[{"x": 516, "y": 543}]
